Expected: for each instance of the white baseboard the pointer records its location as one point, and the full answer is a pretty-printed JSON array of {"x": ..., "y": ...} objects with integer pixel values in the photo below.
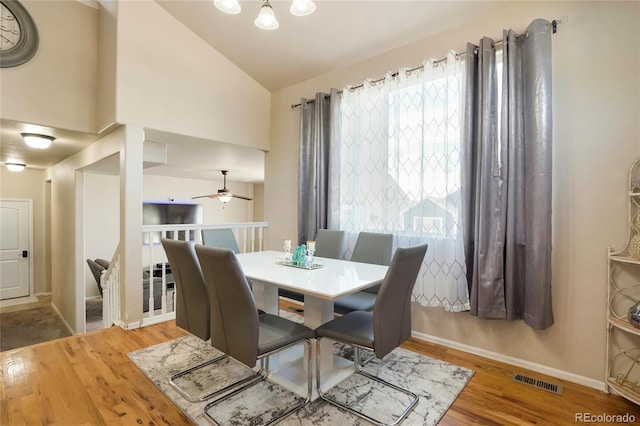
[{"x": 516, "y": 362}]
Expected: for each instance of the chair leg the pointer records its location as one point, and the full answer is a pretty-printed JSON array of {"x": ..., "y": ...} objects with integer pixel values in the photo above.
[
  {"x": 209, "y": 395},
  {"x": 263, "y": 373},
  {"x": 358, "y": 370}
]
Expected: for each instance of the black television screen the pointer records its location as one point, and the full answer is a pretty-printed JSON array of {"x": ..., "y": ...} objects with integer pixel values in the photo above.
[{"x": 170, "y": 214}]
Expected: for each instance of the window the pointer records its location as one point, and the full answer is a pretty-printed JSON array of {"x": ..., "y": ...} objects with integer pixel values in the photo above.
[{"x": 399, "y": 161}]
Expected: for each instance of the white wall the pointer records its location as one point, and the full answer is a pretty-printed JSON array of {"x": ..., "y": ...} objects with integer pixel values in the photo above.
[
  {"x": 101, "y": 222},
  {"x": 596, "y": 96},
  {"x": 68, "y": 265},
  {"x": 161, "y": 188}
]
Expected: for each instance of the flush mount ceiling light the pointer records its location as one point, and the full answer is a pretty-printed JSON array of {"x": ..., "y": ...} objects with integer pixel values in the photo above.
[
  {"x": 15, "y": 167},
  {"x": 266, "y": 19},
  {"x": 37, "y": 141}
]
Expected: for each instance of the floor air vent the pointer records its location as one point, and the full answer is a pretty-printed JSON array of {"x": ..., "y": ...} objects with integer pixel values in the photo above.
[{"x": 537, "y": 383}]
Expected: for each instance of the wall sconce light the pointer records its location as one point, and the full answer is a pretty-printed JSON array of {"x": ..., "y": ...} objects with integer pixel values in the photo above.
[
  {"x": 37, "y": 141},
  {"x": 15, "y": 167}
]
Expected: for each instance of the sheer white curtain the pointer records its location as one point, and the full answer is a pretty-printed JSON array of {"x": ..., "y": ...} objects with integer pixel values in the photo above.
[{"x": 397, "y": 155}]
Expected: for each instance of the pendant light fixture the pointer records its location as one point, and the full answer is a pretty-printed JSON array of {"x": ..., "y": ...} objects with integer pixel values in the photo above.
[
  {"x": 266, "y": 19},
  {"x": 232, "y": 7},
  {"x": 37, "y": 141},
  {"x": 302, "y": 7}
]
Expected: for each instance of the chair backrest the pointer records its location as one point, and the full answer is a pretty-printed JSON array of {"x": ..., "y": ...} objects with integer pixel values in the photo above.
[
  {"x": 229, "y": 289},
  {"x": 221, "y": 238},
  {"x": 96, "y": 269},
  {"x": 192, "y": 301},
  {"x": 372, "y": 247},
  {"x": 330, "y": 243},
  {"x": 392, "y": 310}
]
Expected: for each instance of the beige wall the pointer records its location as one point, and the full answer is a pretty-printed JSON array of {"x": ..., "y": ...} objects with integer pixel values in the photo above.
[
  {"x": 106, "y": 77},
  {"x": 57, "y": 87},
  {"x": 30, "y": 185},
  {"x": 596, "y": 96},
  {"x": 169, "y": 79}
]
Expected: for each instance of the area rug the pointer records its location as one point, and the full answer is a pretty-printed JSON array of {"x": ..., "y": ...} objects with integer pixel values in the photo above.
[
  {"x": 30, "y": 326},
  {"x": 437, "y": 383}
]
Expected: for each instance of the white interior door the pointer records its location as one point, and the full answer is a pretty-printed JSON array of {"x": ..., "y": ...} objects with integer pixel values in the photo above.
[{"x": 15, "y": 249}]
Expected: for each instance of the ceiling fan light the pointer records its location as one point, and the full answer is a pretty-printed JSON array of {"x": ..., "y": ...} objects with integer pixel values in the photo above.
[
  {"x": 302, "y": 7},
  {"x": 266, "y": 20},
  {"x": 225, "y": 198},
  {"x": 37, "y": 141},
  {"x": 232, "y": 7},
  {"x": 15, "y": 167}
]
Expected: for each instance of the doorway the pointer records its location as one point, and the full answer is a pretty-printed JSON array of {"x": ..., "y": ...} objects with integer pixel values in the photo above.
[{"x": 16, "y": 267}]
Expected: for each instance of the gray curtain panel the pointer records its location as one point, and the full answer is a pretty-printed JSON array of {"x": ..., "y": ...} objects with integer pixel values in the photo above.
[
  {"x": 506, "y": 182},
  {"x": 313, "y": 166}
]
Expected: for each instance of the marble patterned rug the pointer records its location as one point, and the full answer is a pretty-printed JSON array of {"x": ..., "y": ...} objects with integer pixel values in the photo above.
[{"x": 437, "y": 383}]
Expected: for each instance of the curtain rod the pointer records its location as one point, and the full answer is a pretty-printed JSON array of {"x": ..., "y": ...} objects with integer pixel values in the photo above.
[{"x": 554, "y": 29}]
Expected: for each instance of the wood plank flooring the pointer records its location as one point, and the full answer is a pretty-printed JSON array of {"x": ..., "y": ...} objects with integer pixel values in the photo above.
[{"x": 88, "y": 380}]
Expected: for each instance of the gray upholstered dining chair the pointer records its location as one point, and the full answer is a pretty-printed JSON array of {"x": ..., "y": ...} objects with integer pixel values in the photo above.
[
  {"x": 239, "y": 331},
  {"x": 373, "y": 248},
  {"x": 330, "y": 243},
  {"x": 222, "y": 238},
  {"x": 192, "y": 304},
  {"x": 383, "y": 329}
]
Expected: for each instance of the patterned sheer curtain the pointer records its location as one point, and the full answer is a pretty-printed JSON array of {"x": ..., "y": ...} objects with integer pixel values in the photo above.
[{"x": 397, "y": 155}]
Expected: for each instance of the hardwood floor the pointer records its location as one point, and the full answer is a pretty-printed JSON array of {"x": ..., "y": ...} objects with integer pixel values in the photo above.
[{"x": 88, "y": 380}]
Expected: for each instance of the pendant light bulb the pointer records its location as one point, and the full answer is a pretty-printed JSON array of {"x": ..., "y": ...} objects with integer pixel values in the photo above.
[
  {"x": 231, "y": 7},
  {"x": 302, "y": 7},
  {"x": 266, "y": 20}
]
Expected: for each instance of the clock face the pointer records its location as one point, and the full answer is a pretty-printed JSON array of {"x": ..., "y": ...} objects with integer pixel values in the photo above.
[
  {"x": 9, "y": 29},
  {"x": 18, "y": 34}
]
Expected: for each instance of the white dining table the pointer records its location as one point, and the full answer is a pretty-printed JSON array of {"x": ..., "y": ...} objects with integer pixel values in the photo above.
[{"x": 320, "y": 287}]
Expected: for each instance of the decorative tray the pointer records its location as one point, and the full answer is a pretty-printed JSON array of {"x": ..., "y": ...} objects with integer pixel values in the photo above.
[{"x": 285, "y": 262}]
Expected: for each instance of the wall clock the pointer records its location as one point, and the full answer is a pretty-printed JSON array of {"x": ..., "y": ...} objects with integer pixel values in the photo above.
[{"x": 18, "y": 34}]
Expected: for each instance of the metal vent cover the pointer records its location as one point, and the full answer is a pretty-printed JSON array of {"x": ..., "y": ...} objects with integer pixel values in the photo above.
[{"x": 537, "y": 383}]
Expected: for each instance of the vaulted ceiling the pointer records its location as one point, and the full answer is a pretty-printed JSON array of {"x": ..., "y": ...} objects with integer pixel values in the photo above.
[{"x": 337, "y": 34}]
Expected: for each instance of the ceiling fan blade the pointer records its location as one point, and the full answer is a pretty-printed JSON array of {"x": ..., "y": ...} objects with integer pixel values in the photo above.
[
  {"x": 241, "y": 197},
  {"x": 207, "y": 196}
]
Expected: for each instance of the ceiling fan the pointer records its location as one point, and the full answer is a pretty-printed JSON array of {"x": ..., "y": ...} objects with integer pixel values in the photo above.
[{"x": 224, "y": 195}]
